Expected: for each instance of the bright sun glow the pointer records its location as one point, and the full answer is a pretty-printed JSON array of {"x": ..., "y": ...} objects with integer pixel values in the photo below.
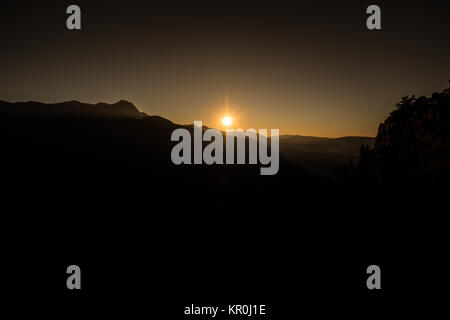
[{"x": 227, "y": 120}]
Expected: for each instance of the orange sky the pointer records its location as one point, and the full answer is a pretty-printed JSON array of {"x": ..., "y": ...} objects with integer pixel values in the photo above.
[{"x": 303, "y": 68}]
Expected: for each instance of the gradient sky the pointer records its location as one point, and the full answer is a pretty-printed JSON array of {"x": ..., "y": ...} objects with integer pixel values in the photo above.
[{"x": 305, "y": 67}]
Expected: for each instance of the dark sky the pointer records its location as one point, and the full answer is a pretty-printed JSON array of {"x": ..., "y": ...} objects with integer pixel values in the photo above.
[{"x": 305, "y": 67}]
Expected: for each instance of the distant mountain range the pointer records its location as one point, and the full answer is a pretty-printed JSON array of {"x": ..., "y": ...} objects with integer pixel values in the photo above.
[
  {"x": 325, "y": 156},
  {"x": 344, "y": 145},
  {"x": 62, "y": 124}
]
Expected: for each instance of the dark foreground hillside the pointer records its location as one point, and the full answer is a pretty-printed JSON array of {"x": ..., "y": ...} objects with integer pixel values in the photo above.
[{"x": 94, "y": 185}]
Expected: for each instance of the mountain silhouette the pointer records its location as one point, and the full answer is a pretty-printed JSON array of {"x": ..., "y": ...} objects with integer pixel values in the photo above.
[
  {"x": 123, "y": 128},
  {"x": 98, "y": 178},
  {"x": 121, "y": 109}
]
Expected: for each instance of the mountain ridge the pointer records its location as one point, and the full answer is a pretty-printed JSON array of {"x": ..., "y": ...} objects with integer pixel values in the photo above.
[
  {"x": 122, "y": 108},
  {"x": 73, "y": 108}
]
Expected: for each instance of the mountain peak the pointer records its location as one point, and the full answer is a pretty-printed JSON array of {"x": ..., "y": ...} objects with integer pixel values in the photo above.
[
  {"x": 124, "y": 102},
  {"x": 125, "y": 108}
]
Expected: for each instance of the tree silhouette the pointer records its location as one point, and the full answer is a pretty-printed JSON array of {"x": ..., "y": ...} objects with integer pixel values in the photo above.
[{"x": 412, "y": 143}]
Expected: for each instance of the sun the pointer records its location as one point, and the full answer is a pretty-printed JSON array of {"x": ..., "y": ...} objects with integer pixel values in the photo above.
[{"x": 227, "y": 121}]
